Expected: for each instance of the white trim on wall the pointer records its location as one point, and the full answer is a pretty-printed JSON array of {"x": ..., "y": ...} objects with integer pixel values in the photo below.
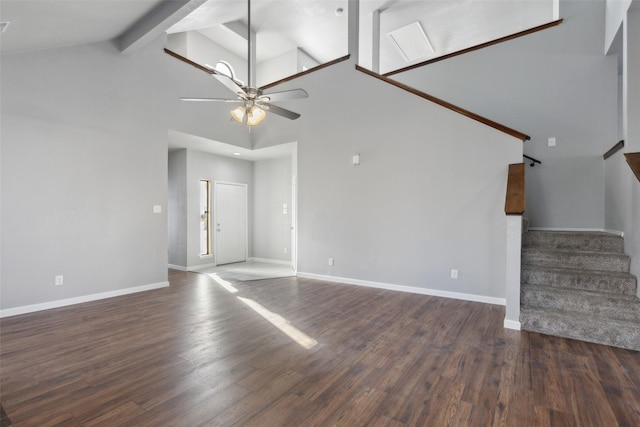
[
  {"x": 588, "y": 230},
  {"x": 271, "y": 261},
  {"x": 403, "y": 288},
  {"x": 198, "y": 268},
  {"x": 512, "y": 324},
  {"x": 177, "y": 267},
  {"x": 78, "y": 300}
]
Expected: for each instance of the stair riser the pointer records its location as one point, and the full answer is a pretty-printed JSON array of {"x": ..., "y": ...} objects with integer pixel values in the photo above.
[
  {"x": 586, "y": 304},
  {"x": 579, "y": 280},
  {"x": 577, "y": 261},
  {"x": 574, "y": 241},
  {"x": 627, "y": 336}
]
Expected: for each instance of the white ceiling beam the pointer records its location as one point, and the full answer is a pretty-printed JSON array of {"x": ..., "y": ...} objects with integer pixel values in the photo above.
[{"x": 155, "y": 23}]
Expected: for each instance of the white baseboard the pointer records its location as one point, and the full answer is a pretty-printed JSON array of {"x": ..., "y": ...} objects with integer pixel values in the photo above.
[
  {"x": 411, "y": 289},
  {"x": 271, "y": 261},
  {"x": 198, "y": 268},
  {"x": 512, "y": 324},
  {"x": 616, "y": 232},
  {"x": 601, "y": 230},
  {"x": 78, "y": 300},
  {"x": 177, "y": 267}
]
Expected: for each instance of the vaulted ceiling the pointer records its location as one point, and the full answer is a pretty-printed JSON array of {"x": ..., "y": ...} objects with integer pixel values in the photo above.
[{"x": 315, "y": 26}]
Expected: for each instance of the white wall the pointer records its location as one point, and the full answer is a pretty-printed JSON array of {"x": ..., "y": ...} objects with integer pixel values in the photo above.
[
  {"x": 427, "y": 197},
  {"x": 305, "y": 61},
  {"x": 554, "y": 83},
  {"x": 272, "y": 181},
  {"x": 203, "y": 50},
  {"x": 616, "y": 11},
  {"x": 84, "y": 160},
  {"x": 282, "y": 66},
  {"x": 277, "y": 68}
]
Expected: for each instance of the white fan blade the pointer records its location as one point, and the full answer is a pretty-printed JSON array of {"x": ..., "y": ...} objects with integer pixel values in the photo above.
[
  {"x": 231, "y": 85},
  {"x": 212, "y": 99},
  {"x": 284, "y": 95},
  {"x": 279, "y": 111}
]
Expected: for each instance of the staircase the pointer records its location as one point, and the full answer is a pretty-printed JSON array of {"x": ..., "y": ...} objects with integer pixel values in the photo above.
[{"x": 577, "y": 285}]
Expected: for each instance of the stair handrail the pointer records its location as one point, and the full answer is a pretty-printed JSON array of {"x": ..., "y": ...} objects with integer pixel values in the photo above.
[
  {"x": 613, "y": 150},
  {"x": 533, "y": 160},
  {"x": 515, "y": 199}
]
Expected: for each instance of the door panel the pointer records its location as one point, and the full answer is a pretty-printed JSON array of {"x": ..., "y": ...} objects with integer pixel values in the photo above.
[{"x": 231, "y": 222}]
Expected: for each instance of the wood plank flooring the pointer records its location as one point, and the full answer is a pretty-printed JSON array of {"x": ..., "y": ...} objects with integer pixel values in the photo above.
[{"x": 197, "y": 354}]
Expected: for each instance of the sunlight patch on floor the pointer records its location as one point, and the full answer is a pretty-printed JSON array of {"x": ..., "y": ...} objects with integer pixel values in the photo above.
[
  {"x": 220, "y": 281},
  {"x": 281, "y": 323}
]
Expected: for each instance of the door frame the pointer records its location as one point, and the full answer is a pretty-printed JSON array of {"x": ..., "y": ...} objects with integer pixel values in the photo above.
[
  {"x": 215, "y": 217},
  {"x": 294, "y": 208}
]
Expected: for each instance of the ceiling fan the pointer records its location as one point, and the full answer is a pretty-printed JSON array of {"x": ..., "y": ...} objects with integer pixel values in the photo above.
[{"x": 254, "y": 101}]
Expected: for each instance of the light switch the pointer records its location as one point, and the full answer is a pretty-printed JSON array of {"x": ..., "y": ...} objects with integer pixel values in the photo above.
[
  {"x": 552, "y": 142},
  {"x": 157, "y": 209},
  {"x": 285, "y": 208}
]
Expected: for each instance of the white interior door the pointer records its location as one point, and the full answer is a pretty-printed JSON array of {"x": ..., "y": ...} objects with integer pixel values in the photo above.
[{"x": 230, "y": 222}]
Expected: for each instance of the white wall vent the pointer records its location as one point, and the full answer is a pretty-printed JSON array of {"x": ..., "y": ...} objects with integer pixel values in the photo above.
[
  {"x": 3, "y": 26},
  {"x": 411, "y": 41}
]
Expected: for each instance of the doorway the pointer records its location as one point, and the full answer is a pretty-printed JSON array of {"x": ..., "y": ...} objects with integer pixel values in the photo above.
[{"x": 230, "y": 215}]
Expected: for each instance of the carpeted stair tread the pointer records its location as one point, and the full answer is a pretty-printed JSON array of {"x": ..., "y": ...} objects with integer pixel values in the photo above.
[
  {"x": 581, "y": 260},
  {"x": 575, "y": 240},
  {"x": 607, "y": 305},
  {"x": 602, "y": 281},
  {"x": 585, "y": 327}
]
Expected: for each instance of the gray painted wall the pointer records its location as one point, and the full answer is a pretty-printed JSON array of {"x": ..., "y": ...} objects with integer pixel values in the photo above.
[
  {"x": 213, "y": 168},
  {"x": 84, "y": 160},
  {"x": 622, "y": 188},
  {"x": 272, "y": 227},
  {"x": 177, "y": 208},
  {"x": 269, "y": 186},
  {"x": 427, "y": 197},
  {"x": 554, "y": 83}
]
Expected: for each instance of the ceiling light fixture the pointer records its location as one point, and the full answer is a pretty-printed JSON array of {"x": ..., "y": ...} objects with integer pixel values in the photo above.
[
  {"x": 251, "y": 113},
  {"x": 254, "y": 104}
]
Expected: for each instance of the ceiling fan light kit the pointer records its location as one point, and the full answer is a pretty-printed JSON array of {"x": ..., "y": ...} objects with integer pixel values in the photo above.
[
  {"x": 255, "y": 115},
  {"x": 255, "y": 104}
]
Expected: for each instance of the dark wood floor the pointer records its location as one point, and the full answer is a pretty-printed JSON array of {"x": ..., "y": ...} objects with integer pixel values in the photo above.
[{"x": 196, "y": 354}]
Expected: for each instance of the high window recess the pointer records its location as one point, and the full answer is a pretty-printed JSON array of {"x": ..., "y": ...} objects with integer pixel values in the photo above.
[{"x": 205, "y": 218}]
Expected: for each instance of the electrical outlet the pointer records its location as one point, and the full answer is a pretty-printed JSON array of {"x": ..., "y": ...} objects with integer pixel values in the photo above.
[
  {"x": 551, "y": 142},
  {"x": 330, "y": 261},
  {"x": 285, "y": 251},
  {"x": 59, "y": 280},
  {"x": 454, "y": 273}
]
